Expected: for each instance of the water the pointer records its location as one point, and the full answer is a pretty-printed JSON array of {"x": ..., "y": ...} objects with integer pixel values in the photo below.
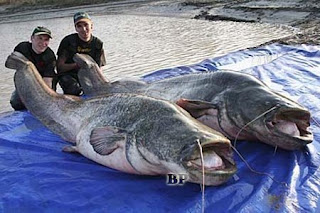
[{"x": 139, "y": 44}]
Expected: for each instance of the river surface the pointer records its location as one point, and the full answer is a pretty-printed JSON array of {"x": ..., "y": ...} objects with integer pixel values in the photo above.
[{"x": 139, "y": 44}]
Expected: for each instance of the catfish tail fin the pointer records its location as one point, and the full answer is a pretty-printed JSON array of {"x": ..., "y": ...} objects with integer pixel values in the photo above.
[{"x": 16, "y": 61}]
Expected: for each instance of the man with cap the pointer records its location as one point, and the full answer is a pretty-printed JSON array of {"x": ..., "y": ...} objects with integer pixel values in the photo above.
[
  {"x": 41, "y": 55},
  {"x": 81, "y": 42}
]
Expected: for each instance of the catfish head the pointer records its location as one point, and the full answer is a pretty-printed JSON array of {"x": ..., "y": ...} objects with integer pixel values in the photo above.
[
  {"x": 159, "y": 138},
  {"x": 174, "y": 140},
  {"x": 251, "y": 111},
  {"x": 269, "y": 117}
]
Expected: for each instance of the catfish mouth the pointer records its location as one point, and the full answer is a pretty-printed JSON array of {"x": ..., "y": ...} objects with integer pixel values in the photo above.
[
  {"x": 218, "y": 164},
  {"x": 292, "y": 124}
]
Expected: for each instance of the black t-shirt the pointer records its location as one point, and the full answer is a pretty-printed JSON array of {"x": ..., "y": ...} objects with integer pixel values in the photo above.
[
  {"x": 45, "y": 62},
  {"x": 72, "y": 44}
]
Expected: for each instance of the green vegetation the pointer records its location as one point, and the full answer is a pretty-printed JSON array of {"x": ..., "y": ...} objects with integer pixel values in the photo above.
[
  {"x": 203, "y": 3},
  {"x": 20, "y": 5},
  {"x": 50, "y": 2}
]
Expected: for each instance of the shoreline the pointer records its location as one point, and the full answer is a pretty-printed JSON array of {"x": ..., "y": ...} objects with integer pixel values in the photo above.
[{"x": 305, "y": 17}]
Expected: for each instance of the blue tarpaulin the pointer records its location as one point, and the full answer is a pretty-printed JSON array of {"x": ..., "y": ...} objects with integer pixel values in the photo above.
[{"x": 36, "y": 176}]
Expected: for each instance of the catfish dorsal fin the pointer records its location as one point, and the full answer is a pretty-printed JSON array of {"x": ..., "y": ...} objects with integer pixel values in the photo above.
[{"x": 105, "y": 140}]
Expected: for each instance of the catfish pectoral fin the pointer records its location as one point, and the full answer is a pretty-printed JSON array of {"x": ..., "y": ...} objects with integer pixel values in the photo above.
[
  {"x": 107, "y": 139},
  {"x": 194, "y": 104},
  {"x": 195, "y": 107}
]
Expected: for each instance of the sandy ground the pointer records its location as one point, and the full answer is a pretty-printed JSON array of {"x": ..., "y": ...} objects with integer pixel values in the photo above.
[{"x": 301, "y": 14}]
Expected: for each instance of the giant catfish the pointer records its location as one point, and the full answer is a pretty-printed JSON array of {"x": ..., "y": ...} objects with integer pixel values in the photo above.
[{"x": 128, "y": 132}]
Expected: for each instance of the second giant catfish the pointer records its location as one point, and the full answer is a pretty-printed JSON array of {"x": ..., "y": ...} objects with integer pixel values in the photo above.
[{"x": 238, "y": 105}]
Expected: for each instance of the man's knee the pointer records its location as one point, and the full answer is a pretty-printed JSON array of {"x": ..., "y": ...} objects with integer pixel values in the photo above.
[
  {"x": 54, "y": 83},
  {"x": 72, "y": 90},
  {"x": 69, "y": 85},
  {"x": 16, "y": 102}
]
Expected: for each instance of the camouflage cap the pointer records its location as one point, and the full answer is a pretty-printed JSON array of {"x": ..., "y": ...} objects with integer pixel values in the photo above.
[
  {"x": 81, "y": 16},
  {"x": 41, "y": 31}
]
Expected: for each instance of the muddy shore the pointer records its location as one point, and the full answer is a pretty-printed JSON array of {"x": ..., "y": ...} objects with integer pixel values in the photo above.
[{"x": 302, "y": 15}]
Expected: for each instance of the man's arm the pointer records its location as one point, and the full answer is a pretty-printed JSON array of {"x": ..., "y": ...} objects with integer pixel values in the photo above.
[
  {"x": 63, "y": 55},
  {"x": 63, "y": 67},
  {"x": 102, "y": 58},
  {"x": 49, "y": 71}
]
